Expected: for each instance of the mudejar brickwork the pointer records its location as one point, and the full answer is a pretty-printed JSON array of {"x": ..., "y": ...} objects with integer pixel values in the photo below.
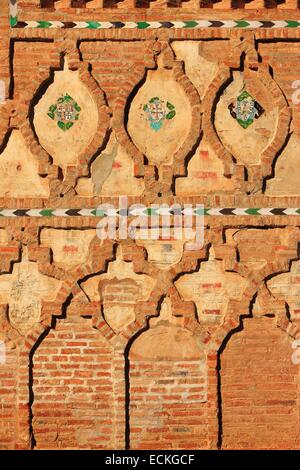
[{"x": 135, "y": 342}]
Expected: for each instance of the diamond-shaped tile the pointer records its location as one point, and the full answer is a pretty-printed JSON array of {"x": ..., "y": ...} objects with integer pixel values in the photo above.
[
  {"x": 65, "y": 112},
  {"x": 245, "y": 109}
]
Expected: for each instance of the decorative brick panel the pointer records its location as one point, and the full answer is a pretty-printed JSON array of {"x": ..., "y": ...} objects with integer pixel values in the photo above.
[{"x": 149, "y": 343}]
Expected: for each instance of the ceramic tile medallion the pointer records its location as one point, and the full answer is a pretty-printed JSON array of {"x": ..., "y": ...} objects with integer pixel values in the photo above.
[
  {"x": 65, "y": 111},
  {"x": 66, "y": 117},
  {"x": 160, "y": 116},
  {"x": 245, "y": 109},
  {"x": 254, "y": 119},
  {"x": 157, "y": 111}
]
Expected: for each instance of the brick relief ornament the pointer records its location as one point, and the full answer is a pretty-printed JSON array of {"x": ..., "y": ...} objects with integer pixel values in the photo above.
[
  {"x": 211, "y": 289},
  {"x": 205, "y": 173},
  {"x": 246, "y": 125},
  {"x": 168, "y": 380},
  {"x": 201, "y": 63},
  {"x": 70, "y": 248},
  {"x": 286, "y": 180},
  {"x": 259, "y": 256},
  {"x": 24, "y": 290},
  {"x": 118, "y": 290},
  {"x": 286, "y": 287},
  {"x": 160, "y": 116},
  {"x": 163, "y": 253},
  {"x": 66, "y": 118}
]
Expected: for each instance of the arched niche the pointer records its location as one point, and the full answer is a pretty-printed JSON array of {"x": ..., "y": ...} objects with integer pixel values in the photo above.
[
  {"x": 73, "y": 388},
  {"x": 259, "y": 388},
  {"x": 167, "y": 386}
]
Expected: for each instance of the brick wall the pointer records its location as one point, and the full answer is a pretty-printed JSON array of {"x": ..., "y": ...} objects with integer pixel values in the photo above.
[
  {"x": 8, "y": 402},
  {"x": 73, "y": 376},
  {"x": 167, "y": 390},
  {"x": 167, "y": 405},
  {"x": 106, "y": 347},
  {"x": 260, "y": 389}
]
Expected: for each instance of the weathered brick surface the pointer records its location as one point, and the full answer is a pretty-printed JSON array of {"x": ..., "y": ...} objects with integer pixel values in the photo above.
[
  {"x": 73, "y": 374},
  {"x": 147, "y": 344},
  {"x": 167, "y": 405},
  {"x": 8, "y": 394},
  {"x": 260, "y": 389}
]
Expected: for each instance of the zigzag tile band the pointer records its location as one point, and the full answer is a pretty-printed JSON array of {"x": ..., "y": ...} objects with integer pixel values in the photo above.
[
  {"x": 215, "y": 211},
  {"x": 191, "y": 24}
]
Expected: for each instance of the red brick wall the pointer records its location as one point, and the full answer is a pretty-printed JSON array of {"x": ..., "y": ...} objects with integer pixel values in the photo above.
[
  {"x": 259, "y": 389},
  {"x": 167, "y": 390},
  {"x": 114, "y": 64},
  {"x": 168, "y": 408},
  {"x": 40, "y": 55},
  {"x": 73, "y": 388},
  {"x": 8, "y": 400}
]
